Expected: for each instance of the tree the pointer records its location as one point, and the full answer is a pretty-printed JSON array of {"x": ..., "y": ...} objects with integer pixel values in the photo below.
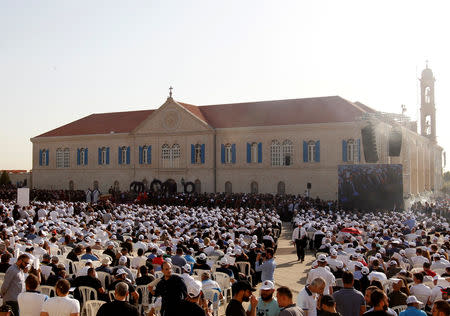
[
  {"x": 4, "y": 178},
  {"x": 447, "y": 176}
]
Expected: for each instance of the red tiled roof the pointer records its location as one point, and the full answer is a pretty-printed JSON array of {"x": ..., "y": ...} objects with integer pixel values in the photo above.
[
  {"x": 103, "y": 123},
  {"x": 265, "y": 113},
  {"x": 282, "y": 112}
]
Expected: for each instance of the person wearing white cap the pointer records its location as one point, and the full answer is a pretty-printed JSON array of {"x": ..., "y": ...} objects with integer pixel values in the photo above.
[
  {"x": 186, "y": 274},
  {"x": 194, "y": 304},
  {"x": 322, "y": 272},
  {"x": 122, "y": 265},
  {"x": 267, "y": 304},
  {"x": 413, "y": 307},
  {"x": 397, "y": 297}
]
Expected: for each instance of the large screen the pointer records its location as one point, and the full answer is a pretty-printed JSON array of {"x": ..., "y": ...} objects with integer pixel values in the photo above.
[{"x": 370, "y": 187}]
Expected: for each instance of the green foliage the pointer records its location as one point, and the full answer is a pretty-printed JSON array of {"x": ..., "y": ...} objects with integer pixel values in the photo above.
[
  {"x": 447, "y": 176},
  {"x": 4, "y": 178}
]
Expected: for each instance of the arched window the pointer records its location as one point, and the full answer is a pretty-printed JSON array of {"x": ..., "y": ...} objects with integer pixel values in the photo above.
[
  {"x": 228, "y": 187},
  {"x": 254, "y": 187},
  {"x": 59, "y": 158},
  {"x": 254, "y": 152},
  {"x": 66, "y": 158},
  {"x": 427, "y": 95},
  {"x": 176, "y": 155},
  {"x": 428, "y": 125},
  {"x": 144, "y": 154},
  {"x": 71, "y": 185},
  {"x": 287, "y": 153},
  {"x": 281, "y": 188},
  {"x": 44, "y": 157},
  {"x": 95, "y": 185},
  {"x": 228, "y": 153},
  {"x": 351, "y": 150},
  {"x": 275, "y": 153},
  {"x": 165, "y": 155},
  {"x": 198, "y": 186},
  {"x": 311, "y": 150}
]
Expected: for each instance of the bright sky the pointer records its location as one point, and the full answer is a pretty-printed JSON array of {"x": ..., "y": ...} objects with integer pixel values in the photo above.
[{"x": 63, "y": 60}]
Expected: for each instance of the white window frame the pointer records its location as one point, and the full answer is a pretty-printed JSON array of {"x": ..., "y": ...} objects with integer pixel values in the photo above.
[
  {"x": 254, "y": 152},
  {"x": 287, "y": 152},
  {"x": 103, "y": 156},
  {"x": 197, "y": 153},
  {"x": 311, "y": 150},
  {"x": 144, "y": 154},
  {"x": 228, "y": 153},
  {"x": 59, "y": 158},
  {"x": 66, "y": 160},
  {"x": 275, "y": 153}
]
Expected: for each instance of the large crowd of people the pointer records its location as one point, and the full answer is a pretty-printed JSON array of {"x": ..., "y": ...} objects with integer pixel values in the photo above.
[{"x": 187, "y": 254}]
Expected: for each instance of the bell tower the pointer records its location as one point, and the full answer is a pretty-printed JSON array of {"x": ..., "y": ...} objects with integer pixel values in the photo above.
[{"x": 427, "y": 107}]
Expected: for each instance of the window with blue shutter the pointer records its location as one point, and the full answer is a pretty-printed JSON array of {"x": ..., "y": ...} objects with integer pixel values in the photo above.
[
  {"x": 47, "y": 157},
  {"x": 192, "y": 154},
  {"x": 233, "y": 153},
  {"x": 107, "y": 155},
  {"x": 40, "y": 157},
  {"x": 140, "y": 155},
  {"x": 222, "y": 153},
  {"x": 78, "y": 156},
  {"x": 317, "y": 157},
  {"x": 203, "y": 154},
  {"x": 99, "y": 156},
  {"x": 249, "y": 153},
  {"x": 358, "y": 144},
  {"x": 128, "y": 155},
  {"x": 85, "y": 156},
  {"x": 344, "y": 151},
  {"x": 119, "y": 152},
  {"x": 259, "y": 152},
  {"x": 149, "y": 154},
  {"x": 305, "y": 151}
]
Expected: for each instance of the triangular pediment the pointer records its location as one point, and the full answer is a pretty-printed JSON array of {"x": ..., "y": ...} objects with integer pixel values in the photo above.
[{"x": 172, "y": 117}]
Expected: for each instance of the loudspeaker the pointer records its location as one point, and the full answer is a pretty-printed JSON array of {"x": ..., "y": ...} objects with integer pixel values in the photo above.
[
  {"x": 369, "y": 144},
  {"x": 308, "y": 185},
  {"x": 395, "y": 142}
]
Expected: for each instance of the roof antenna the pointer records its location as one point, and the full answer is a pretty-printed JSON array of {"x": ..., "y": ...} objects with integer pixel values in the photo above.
[{"x": 170, "y": 91}]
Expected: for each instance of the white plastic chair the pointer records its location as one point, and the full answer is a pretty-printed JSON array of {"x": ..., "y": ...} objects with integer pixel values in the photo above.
[
  {"x": 176, "y": 269},
  {"x": 224, "y": 281},
  {"x": 399, "y": 308},
  {"x": 244, "y": 267},
  {"x": 143, "y": 297},
  {"x": 47, "y": 290},
  {"x": 105, "y": 278},
  {"x": 214, "y": 297},
  {"x": 2, "y": 276},
  {"x": 91, "y": 307},
  {"x": 158, "y": 274}
]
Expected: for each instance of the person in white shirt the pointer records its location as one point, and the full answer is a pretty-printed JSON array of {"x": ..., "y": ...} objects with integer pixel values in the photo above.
[
  {"x": 323, "y": 273},
  {"x": 299, "y": 239},
  {"x": 333, "y": 261},
  {"x": 438, "y": 263},
  {"x": 420, "y": 290},
  {"x": 418, "y": 260},
  {"x": 307, "y": 297},
  {"x": 62, "y": 304},
  {"x": 140, "y": 260},
  {"x": 31, "y": 301}
]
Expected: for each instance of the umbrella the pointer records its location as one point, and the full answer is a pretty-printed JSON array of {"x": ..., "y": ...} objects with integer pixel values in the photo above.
[{"x": 351, "y": 230}]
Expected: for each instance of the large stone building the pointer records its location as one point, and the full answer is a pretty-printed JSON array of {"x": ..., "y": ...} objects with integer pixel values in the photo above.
[{"x": 265, "y": 147}]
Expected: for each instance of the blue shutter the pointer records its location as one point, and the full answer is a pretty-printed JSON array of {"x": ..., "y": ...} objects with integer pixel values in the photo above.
[
  {"x": 86, "y": 156},
  {"x": 140, "y": 155},
  {"x": 107, "y": 155},
  {"x": 358, "y": 142},
  {"x": 149, "y": 154},
  {"x": 259, "y": 152},
  {"x": 305, "y": 151},
  {"x": 317, "y": 158},
  {"x": 192, "y": 154},
  {"x": 100, "y": 156},
  {"x": 203, "y": 154},
  {"x": 78, "y": 156},
  {"x": 40, "y": 157},
  {"x": 344, "y": 151},
  {"x": 222, "y": 153},
  {"x": 120, "y": 156},
  {"x": 233, "y": 153},
  {"x": 47, "y": 157},
  {"x": 128, "y": 155},
  {"x": 249, "y": 153}
]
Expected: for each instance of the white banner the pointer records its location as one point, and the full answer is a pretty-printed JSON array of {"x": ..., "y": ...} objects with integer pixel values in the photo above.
[{"x": 23, "y": 197}]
